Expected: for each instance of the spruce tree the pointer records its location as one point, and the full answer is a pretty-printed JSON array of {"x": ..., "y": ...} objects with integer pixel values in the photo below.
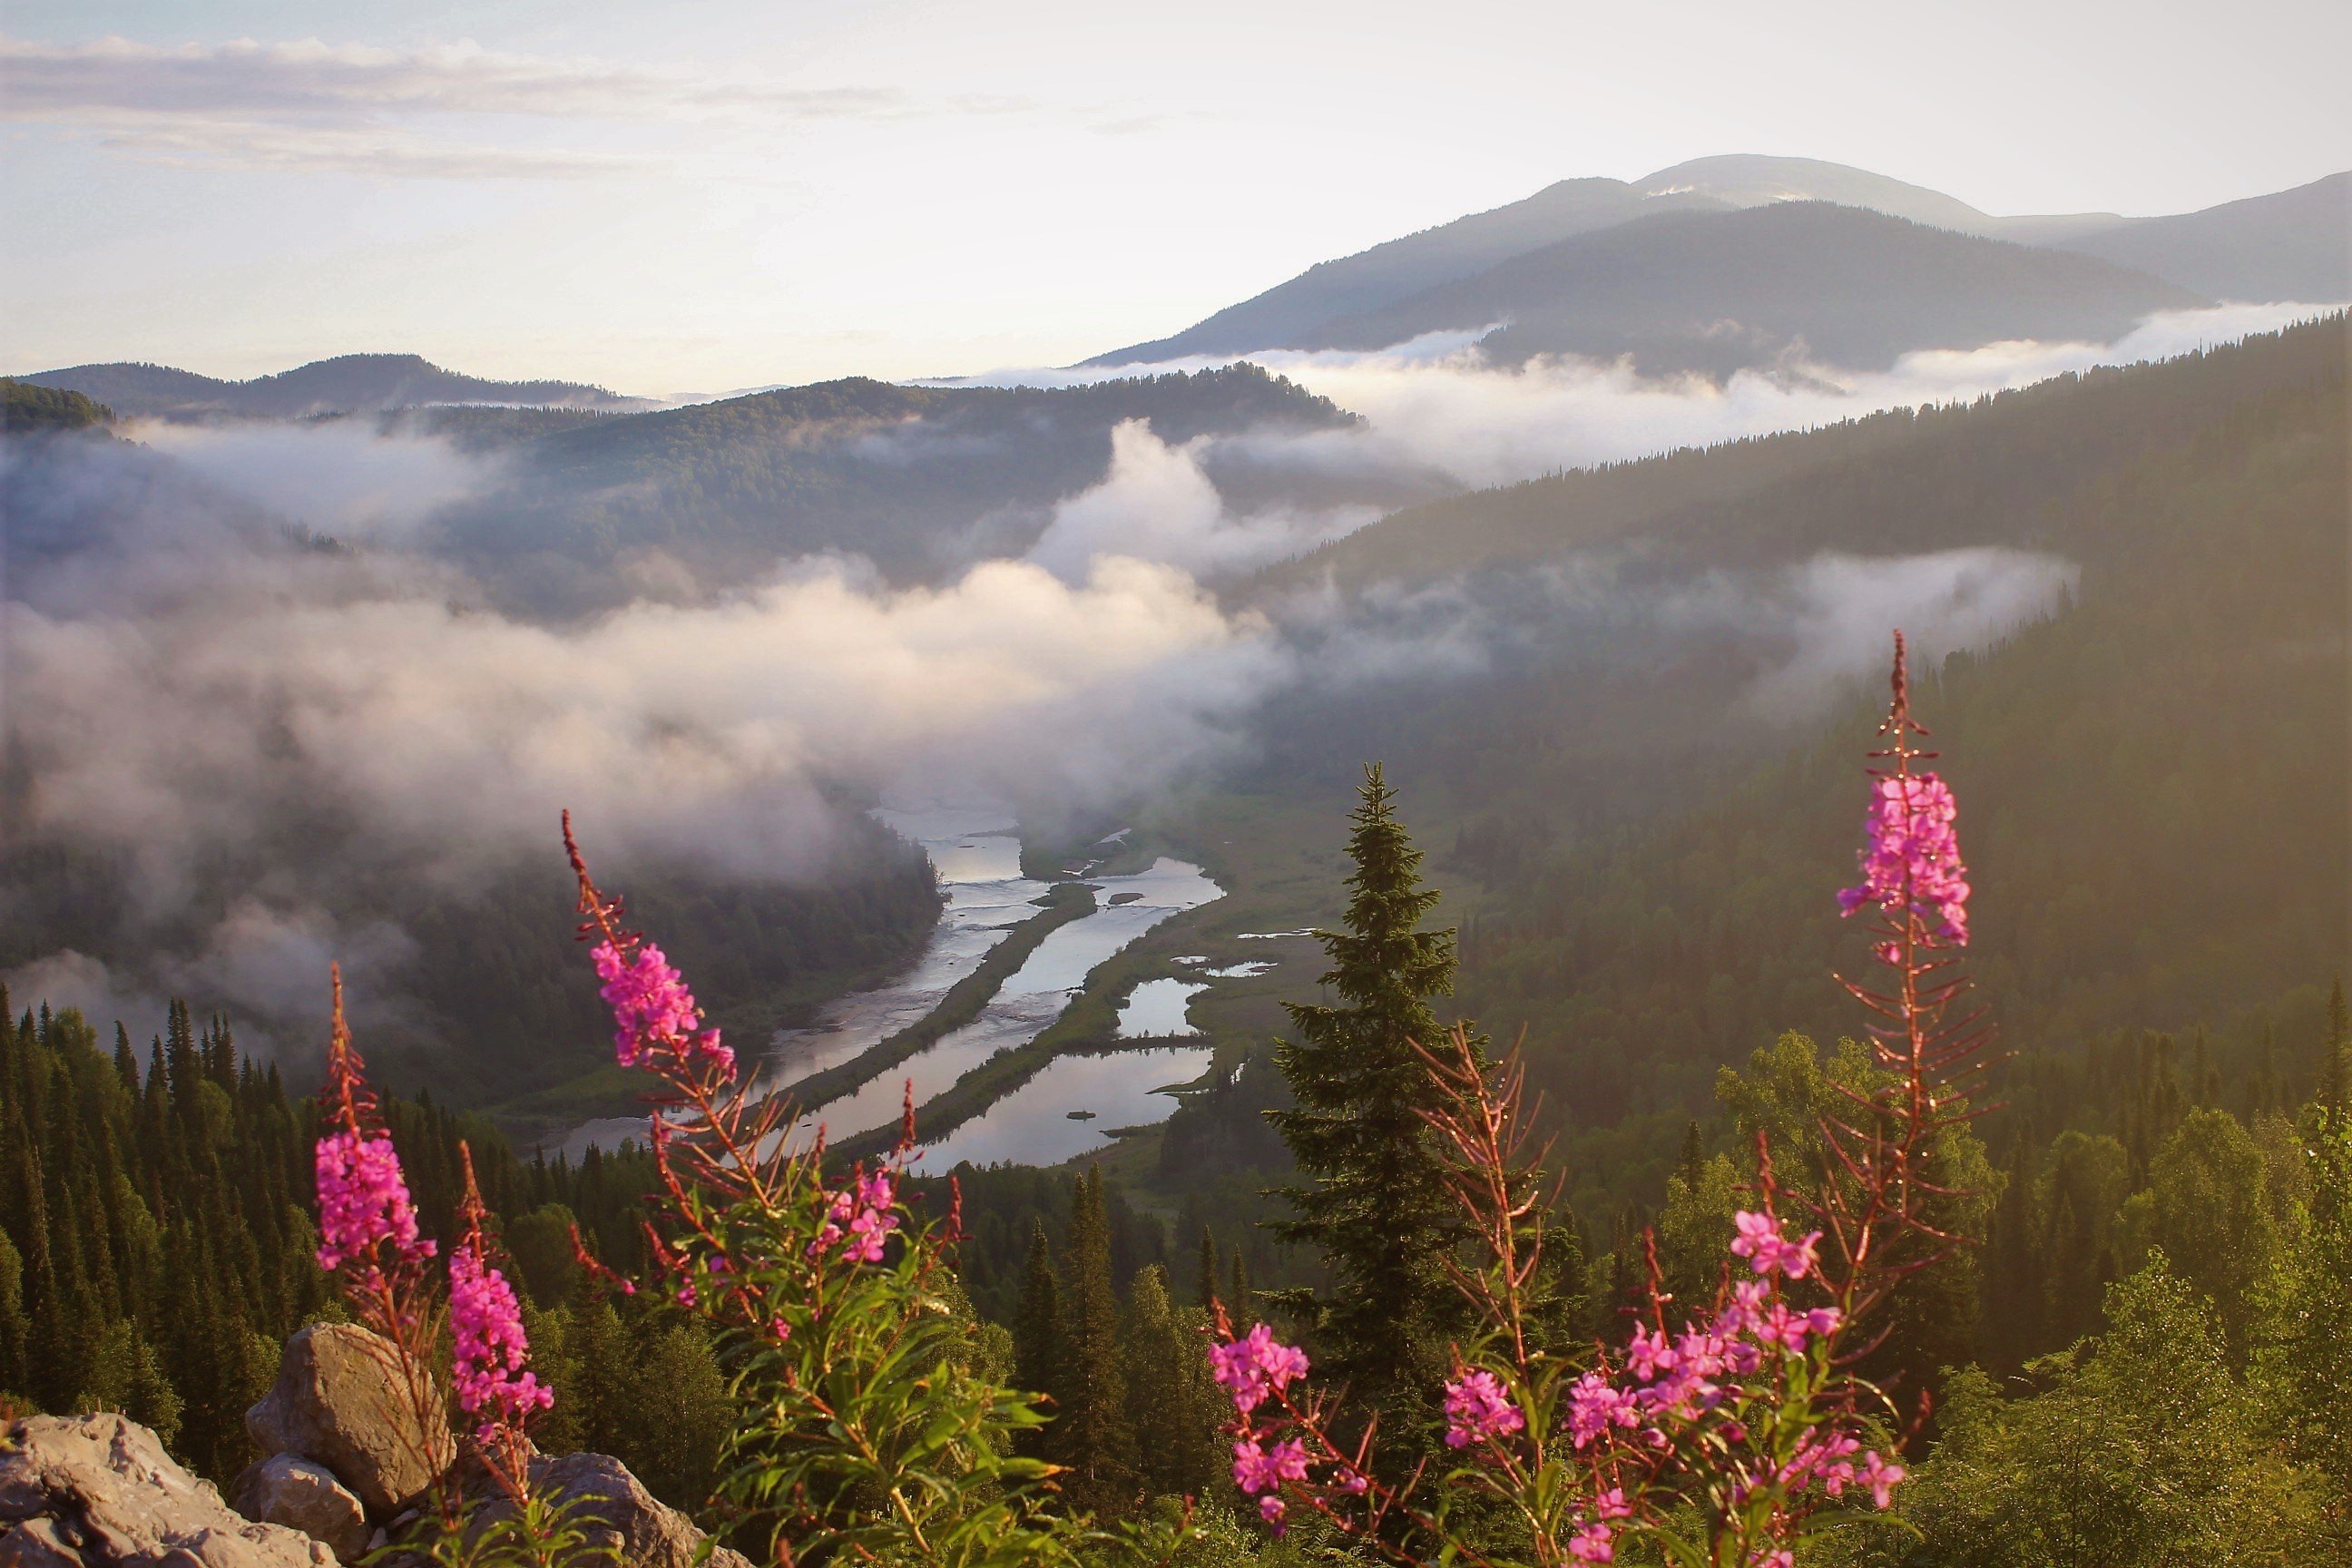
[
  {"x": 2336, "y": 1052},
  {"x": 1171, "y": 1401},
  {"x": 1091, "y": 1436},
  {"x": 1204, "y": 1283},
  {"x": 1375, "y": 1205},
  {"x": 1037, "y": 1331}
]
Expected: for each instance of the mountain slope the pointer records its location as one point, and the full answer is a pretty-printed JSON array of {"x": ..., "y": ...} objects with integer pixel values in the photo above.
[
  {"x": 2152, "y": 778},
  {"x": 919, "y": 479},
  {"x": 1749, "y": 180},
  {"x": 1386, "y": 273},
  {"x": 1717, "y": 291},
  {"x": 2294, "y": 245},
  {"x": 352, "y": 384}
]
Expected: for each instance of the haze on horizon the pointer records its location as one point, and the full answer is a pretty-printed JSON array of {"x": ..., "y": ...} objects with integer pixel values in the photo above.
[{"x": 671, "y": 200}]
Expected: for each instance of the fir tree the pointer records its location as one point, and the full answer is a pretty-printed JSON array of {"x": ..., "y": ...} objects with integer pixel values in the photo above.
[
  {"x": 2335, "y": 1051},
  {"x": 1375, "y": 1206},
  {"x": 1204, "y": 1283},
  {"x": 1037, "y": 1330},
  {"x": 1091, "y": 1435}
]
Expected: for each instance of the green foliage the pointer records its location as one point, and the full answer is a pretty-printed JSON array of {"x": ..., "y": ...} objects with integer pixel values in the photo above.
[
  {"x": 25, "y": 408},
  {"x": 2140, "y": 1448},
  {"x": 1374, "y": 1203},
  {"x": 2303, "y": 1341}
]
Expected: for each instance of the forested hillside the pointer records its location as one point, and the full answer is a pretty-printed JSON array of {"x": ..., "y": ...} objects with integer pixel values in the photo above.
[
  {"x": 350, "y": 383},
  {"x": 2165, "y": 760},
  {"x": 920, "y": 480}
]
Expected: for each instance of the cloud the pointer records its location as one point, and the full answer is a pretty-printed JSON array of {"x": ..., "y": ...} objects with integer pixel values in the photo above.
[
  {"x": 338, "y": 477},
  {"x": 1835, "y": 615},
  {"x": 1157, "y": 504},
  {"x": 311, "y": 106},
  {"x": 1439, "y": 415}
]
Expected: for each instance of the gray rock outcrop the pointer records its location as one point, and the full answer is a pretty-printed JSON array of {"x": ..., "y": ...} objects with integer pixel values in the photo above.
[
  {"x": 99, "y": 1491},
  {"x": 304, "y": 1495},
  {"x": 339, "y": 1402},
  {"x": 617, "y": 1514}
]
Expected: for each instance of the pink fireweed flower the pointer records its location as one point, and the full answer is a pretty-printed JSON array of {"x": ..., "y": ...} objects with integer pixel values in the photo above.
[
  {"x": 859, "y": 1219},
  {"x": 1594, "y": 1407},
  {"x": 1911, "y": 856},
  {"x": 1255, "y": 1366},
  {"x": 1649, "y": 1354},
  {"x": 364, "y": 1200},
  {"x": 1257, "y": 1469},
  {"x": 1880, "y": 1476},
  {"x": 490, "y": 1349},
  {"x": 653, "y": 1010},
  {"x": 1760, "y": 1242},
  {"x": 1592, "y": 1543},
  {"x": 1477, "y": 1409},
  {"x": 1271, "y": 1508}
]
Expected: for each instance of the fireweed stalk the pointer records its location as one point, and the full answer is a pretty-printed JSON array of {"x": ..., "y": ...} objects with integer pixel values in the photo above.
[
  {"x": 370, "y": 1242},
  {"x": 862, "y": 1433},
  {"x": 1732, "y": 1439}
]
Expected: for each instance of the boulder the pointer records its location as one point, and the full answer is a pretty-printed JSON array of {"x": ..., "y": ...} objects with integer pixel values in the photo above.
[
  {"x": 99, "y": 1491},
  {"x": 304, "y": 1495},
  {"x": 616, "y": 1513},
  {"x": 338, "y": 1401}
]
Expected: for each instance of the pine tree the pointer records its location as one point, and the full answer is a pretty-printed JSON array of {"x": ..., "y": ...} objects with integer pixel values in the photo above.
[
  {"x": 1091, "y": 1435},
  {"x": 2336, "y": 1052},
  {"x": 1204, "y": 1283},
  {"x": 1037, "y": 1331},
  {"x": 1376, "y": 1206},
  {"x": 1170, "y": 1400}
]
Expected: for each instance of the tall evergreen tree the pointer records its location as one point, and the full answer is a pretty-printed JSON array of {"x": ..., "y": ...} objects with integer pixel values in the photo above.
[
  {"x": 2336, "y": 1052},
  {"x": 1037, "y": 1330},
  {"x": 1204, "y": 1283},
  {"x": 1091, "y": 1435},
  {"x": 1375, "y": 1203},
  {"x": 1172, "y": 1402}
]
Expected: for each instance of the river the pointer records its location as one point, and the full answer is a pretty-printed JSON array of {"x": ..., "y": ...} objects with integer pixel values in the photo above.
[{"x": 978, "y": 858}]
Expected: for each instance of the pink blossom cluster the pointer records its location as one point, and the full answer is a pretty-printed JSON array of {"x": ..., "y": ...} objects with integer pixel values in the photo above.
[
  {"x": 1478, "y": 1408},
  {"x": 488, "y": 1363},
  {"x": 1255, "y": 1366},
  {"x": 859, "y": 1219},
  {"x": 1260, "y": 1469},
  {"x": 1595, "y": 1540},
  {"x": 1911, "y": 857},
  {"x": 364, "y": 1200},
  {"x": 654, "y": 1010},
  {"x": 1759, "y": 1242},
  {"x": 1829, "y": 1461}
]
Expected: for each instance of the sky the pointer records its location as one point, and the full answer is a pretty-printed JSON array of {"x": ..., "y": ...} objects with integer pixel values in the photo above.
[{"x": 703, "y": 196}]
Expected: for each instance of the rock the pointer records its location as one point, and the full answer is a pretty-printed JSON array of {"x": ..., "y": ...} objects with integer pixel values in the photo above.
[
  {"x": 338, "y": 1401},
  {"x": 304, "y": 1495},
  {"x": 98, "y": 1489},
  {"x": 616, "y": 1512}
]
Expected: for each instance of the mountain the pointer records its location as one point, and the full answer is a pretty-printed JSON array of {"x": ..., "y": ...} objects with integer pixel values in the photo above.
[
  {"x": 1751, "y": 180},
  {"x": 2295, "y": 245},
  {"x": 2290, "y": 246},
  {"x": 1398, "y": 269},
  {"x": 352, "y": 384},
  {"x": 1716, "y": 291},
  {"x": 918, "y": 479}
]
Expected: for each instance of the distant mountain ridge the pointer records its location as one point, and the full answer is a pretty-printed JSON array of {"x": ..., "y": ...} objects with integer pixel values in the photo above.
[
  {"x": 1717, "y": 291},
  {"x": 2294, "y": 245},
  {"x": 349, "y": 384}
]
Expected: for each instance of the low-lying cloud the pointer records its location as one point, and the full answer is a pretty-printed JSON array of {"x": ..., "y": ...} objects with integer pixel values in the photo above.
[{"x": 1438, "y": 414}]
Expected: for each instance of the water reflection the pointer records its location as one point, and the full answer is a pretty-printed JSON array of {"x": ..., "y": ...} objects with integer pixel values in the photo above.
[{"x": 1033, "y": 1125}]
